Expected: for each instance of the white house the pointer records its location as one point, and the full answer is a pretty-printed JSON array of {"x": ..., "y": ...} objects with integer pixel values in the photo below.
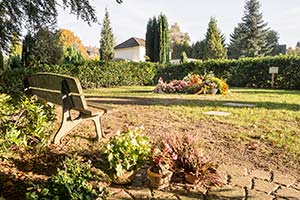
[{"x": 132, "y": 49}]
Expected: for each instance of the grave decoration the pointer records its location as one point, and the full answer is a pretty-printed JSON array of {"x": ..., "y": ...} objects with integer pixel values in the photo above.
[{"x": 194, "y": 84}]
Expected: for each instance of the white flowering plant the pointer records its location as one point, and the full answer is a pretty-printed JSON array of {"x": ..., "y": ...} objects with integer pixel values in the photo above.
[{"x": 126, "y": 151}]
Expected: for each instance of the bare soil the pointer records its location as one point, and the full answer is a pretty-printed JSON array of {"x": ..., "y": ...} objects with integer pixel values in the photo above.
[{"x": 217, "y": 138}]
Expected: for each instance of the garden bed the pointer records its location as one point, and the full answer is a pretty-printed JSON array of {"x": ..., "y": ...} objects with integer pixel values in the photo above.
[{"x": 245, "y": 138}]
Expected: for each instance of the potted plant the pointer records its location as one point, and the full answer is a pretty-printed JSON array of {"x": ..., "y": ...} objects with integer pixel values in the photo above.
[
  {"x": 220, "y": 85},
  {"x": 210, "y": 87},
  {"x": 126, "y": 152},
  {"x": 161, "y": 169},
  {"x": 192, "y": 161}
]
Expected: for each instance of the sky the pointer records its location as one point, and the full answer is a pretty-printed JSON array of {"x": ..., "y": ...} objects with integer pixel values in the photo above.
[{"x": 130, "y": 18}]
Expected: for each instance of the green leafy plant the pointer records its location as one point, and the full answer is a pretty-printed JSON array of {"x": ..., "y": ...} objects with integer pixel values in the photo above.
[
  {"x": 75, "y": 181},
  {"x": 25, "y": 123},
  {"x": 126, "y": 151}
]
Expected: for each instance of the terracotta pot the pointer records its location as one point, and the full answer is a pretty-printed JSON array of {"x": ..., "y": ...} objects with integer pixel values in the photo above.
[
  {"x": 190, "y": 178},
  {"x": 122, "y": 180},
  {"x": 159, "y": 181}
]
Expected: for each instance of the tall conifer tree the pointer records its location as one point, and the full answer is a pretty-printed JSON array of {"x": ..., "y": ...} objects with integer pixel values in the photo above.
[
  {"x": 214, "y": 41},
  {"x": 107, "y": 40},
  {"x": 150, "y": 40},
  {"x": 253, "y": 41},
  {"x": 252, "y": 37},
  {"x": 163, "y": 28},
  {"x": 156, "y": 40},
  {"x": 1, "y": 60},
  {"x": 234, "y": 48}
]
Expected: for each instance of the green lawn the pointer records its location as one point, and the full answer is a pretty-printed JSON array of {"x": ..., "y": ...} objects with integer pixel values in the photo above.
[{"x": 275, "y": 119}]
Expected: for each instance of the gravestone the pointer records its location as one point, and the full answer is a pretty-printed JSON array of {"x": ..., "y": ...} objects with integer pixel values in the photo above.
[
  {"x": 217, "y": 113},
  {"x": 239, "y": 105}
]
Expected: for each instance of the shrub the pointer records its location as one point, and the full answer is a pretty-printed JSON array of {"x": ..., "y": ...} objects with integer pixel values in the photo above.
[
  {"x": 75, "y": 181},
  {"x": 126, "y": 151},
  {"x": 25, "y": 123}
]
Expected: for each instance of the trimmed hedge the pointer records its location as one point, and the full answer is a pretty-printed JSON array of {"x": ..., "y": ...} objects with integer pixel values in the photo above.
[
  {"x": 92, "y": 74},
  {"x": 246, "y": 72}
]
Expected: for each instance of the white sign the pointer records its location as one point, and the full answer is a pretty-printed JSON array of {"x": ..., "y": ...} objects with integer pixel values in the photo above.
[{"x": 273, "y": 70}]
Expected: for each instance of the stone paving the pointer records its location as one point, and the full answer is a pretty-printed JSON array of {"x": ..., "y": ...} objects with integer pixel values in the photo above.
[{"x": 240, "y": 184}]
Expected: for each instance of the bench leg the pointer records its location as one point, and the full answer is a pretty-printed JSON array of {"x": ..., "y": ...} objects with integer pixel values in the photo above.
[
  {"x": 66, "y": 126},
  {"x": 97, "y": 121}
]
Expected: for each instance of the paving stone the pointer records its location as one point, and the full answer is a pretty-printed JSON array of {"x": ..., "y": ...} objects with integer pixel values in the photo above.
[
  {"x": 265, "y": 186},
  {"x": 261, "y": 174},
  {"x": 114, "y": 190},
  {"x": 183, "y": 194},
  {"x": 288, "y": 193},
  {"x": 233, "y": 170},
  {"x": 296, "y": 186},
  {"x": 239, "y": 105},
  {"x": 157, "y": 194},
  {"x": 253, "y": 194},
  {"x": 120, "y": 195},
  {"x": 226, "y": 192},
  {"x": 140, "y": 193},
  {"x": 217, "y": 113},
  {"x": 283, "y": 179},
  {"x": 241, "y": 181},
  {"x": 190, "y": 196}
]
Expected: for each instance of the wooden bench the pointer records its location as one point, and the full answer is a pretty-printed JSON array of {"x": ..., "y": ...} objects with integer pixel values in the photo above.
[{"x": 67, "y": 92}]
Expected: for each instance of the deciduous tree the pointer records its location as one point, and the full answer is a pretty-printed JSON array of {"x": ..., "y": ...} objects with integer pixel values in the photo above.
[
  {"x": 69, "y": 39},
  {"x": 17, "y": 14},
  {"x": 179, "y": 41}
]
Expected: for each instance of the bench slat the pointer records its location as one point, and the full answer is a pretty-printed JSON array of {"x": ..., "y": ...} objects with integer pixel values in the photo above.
[
  {"x": 55, "y": 97},
  {"x": 53, "y": 81}
]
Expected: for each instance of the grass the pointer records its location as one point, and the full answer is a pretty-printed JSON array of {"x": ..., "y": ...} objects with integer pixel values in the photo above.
[{"x": 275, "y": 119}]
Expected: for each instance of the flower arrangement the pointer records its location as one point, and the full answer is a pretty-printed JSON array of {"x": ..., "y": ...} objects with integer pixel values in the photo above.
[
  {"x": 220, "y": 85},
  {"x": 194, "y": 84},
  {"x": 175, "y": 86}
]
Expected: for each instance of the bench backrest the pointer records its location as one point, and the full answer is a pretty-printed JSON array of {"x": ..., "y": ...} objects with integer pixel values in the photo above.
[{"x": 56, "y": 88}]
